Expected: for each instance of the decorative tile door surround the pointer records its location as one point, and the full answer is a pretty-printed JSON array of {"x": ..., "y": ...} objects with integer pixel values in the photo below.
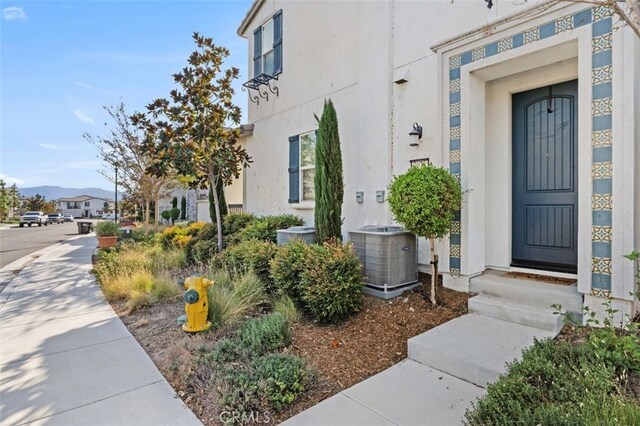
[{"x": 600, "y": 19}]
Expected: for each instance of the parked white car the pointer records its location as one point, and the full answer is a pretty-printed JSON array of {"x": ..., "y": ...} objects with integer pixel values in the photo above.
[
  {"x": 109, "y": 216},
  {"x": 33, "y": 218}
]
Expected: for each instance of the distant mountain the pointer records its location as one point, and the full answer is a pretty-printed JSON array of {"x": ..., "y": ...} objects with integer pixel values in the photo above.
[{"x": 55, "y": 192}]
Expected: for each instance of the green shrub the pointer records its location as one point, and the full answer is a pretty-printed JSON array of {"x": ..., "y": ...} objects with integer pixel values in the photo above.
[
  {"x": 107, "y": 229},
  {"x": 203, "y": 244},
  {"x": 263, "y": 335},
  {"x": 139, "y": 236},
  {"x": 616, "y": 348},
  {"x": 264, "y": 229},
  {"x": 281, "y": 378},
  {"x": 233, "y": 224},
  {"x": 229, "y": 303},
  {"x": 287, "y": 307},
  {"x": 332, "y": 283},
  {"x": 251, "y": 255},
  {"x": 238, "y": 391},
  {"x": 288, "y": 265},
  {"x": 556, "y": 383}
]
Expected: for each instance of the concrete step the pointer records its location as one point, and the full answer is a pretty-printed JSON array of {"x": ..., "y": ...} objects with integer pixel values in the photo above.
[
  {"x": 519, "y": 313},
  {"x": 474, "y": 348},
  {"x": 491, "y": 283}
]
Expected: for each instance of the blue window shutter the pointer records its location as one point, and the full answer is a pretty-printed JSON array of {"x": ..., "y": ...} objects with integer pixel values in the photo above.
[
  {"x": 257, "y": 52},
  {"x": 277, "y": 42},
  {"x": 294, "y": 169}
]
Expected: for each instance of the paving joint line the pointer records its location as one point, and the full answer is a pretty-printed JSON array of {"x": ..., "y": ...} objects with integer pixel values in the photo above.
[
  {"x": 29, "y": 358},
  {"x": 92, "y": 402}
]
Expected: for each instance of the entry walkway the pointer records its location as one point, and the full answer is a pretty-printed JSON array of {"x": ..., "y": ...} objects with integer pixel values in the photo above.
[
  {"x": 447, "y": 369},
  {"x": 65, "y": 356}
]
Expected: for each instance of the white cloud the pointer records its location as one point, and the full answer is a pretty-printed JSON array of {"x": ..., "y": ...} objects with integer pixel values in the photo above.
[
  {"x": 83, "y": 117},
  {"x": 9, "y": 180},
  {"x": 52, "y": 147},
  {"x": 13, "y": 14}
]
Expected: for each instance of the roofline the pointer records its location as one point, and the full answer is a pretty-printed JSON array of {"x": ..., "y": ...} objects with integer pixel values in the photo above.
[
  {"x": 249, "y": 16},
  {"x": 537, "y": 8}
]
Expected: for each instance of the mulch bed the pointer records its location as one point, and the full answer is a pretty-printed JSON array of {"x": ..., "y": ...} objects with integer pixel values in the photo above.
[{"x": 342, "y": 355}]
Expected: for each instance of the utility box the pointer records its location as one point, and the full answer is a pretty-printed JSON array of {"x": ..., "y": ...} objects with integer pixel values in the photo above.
[
  {"x": 305, "y": 233},
  {"x": 389, "y": 256}
]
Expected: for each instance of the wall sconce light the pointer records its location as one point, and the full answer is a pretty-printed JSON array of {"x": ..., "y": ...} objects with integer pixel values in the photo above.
[{"x": 416, "y": 134}]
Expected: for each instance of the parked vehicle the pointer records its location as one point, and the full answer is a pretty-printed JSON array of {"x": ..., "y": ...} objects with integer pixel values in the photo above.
[
  {"x": 109, "y": 216},
  {"x": 33, "y": 218},
  {"x": 55, "y": 218},
  {"x": 68, "y": 217}
]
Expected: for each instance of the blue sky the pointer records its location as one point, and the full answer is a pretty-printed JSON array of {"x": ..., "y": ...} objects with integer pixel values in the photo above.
[{"x": 62, "y": 61}]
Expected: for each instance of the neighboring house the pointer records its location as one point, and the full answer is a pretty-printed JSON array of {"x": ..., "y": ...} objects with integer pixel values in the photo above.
[
  {"x": 84, "y": 206},
  {"x": 534, "y": 108}
]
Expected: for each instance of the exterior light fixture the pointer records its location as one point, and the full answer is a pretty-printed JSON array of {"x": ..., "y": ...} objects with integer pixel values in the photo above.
[
  {"x": 489, "y": 3},
  {"x": 416, "y": 134}
]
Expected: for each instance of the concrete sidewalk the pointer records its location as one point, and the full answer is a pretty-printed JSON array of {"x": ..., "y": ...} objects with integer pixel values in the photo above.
[
  {"x": 447, "y": 370},
  {"x": 65, "y": 356}
]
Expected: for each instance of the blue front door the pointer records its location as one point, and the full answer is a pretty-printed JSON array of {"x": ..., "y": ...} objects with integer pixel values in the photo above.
[{"x": 545, "y": 180}]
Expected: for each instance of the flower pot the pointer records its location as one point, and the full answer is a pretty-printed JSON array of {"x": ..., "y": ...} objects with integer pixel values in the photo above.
[{"x": 106, "y": 242}]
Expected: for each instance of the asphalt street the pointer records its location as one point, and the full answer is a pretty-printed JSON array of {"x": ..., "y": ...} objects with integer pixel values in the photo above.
[{"x": 16, "y": 242}]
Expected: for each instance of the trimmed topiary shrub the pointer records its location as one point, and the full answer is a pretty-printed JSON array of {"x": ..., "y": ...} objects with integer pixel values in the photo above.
[
  {"x": 250, "y": 255},
  {"x": 425, "y": 200},
  {"x": 332, "y": 283}
]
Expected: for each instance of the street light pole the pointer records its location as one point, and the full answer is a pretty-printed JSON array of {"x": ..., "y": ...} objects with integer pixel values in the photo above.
[{"x": 116, "y": 204}]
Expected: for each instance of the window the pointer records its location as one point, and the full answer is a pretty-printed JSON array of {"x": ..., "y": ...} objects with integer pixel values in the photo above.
[
  {"x": 87, "y": 203},
  {"x": 302, "y": 167},
  {"x": 267, "y": 47}
]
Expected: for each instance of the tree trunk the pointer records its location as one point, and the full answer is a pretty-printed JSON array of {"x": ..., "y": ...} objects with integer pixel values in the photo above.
[
  {"x": 157, "y": 214},
  {"x": 434, "y": 272},
  {"x": 145, "y": 216},
  {"x": 213, "y": 182}
]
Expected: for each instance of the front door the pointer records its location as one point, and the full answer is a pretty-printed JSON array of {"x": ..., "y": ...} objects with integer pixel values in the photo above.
[{"x": 545, "y": 180}]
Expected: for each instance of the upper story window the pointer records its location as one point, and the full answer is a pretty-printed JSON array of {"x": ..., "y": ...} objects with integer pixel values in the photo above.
[
  {"x": 87, "y": 203},
  {"x": 267, "y": 47}
]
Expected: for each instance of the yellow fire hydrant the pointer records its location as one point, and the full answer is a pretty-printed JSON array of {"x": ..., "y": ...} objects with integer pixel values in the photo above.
[{"x": 196, "y": 305}]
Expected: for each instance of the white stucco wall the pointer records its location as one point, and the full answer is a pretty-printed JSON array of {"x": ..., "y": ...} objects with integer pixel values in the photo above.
[{"x": 355, "y": 56}]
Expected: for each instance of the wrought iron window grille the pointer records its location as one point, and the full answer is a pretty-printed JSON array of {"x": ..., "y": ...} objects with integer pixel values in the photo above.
[{"x": 262, "y": 84}]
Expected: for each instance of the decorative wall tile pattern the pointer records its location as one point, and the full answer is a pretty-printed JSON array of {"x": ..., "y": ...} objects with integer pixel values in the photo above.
[
  {"x": 601, "y": 138},
  {"x": 601, "y": 265},
  {"x": 478, "y": 53},
  {"x": 564, "y": 24},
  {"x": 454, "y": 62},
  {"x": 601, "y": 202},
  {"x": 505, "y": 44},
  {"x": 532, "y": 35},
  {"x": 601, "y": 234},
  {"x": 454, "y": 86},
  {"x": 601, "y": 106},
  {"x": 602, "y": 170},
  {"x": 601, "y": 75},
  {"x": 601, "y": 135},
  {"x": 601, "y": 12},
  {"x": 604, "y": 42}
]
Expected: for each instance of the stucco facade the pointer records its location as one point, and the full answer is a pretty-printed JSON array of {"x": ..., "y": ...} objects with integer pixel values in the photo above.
[{"x": 453, "y": 68}]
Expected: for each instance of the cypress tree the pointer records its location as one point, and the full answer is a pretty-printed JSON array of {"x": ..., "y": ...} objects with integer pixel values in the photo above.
[
  {"x": 329, "y": 189},
  {"x": 183, "y": 208}
]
